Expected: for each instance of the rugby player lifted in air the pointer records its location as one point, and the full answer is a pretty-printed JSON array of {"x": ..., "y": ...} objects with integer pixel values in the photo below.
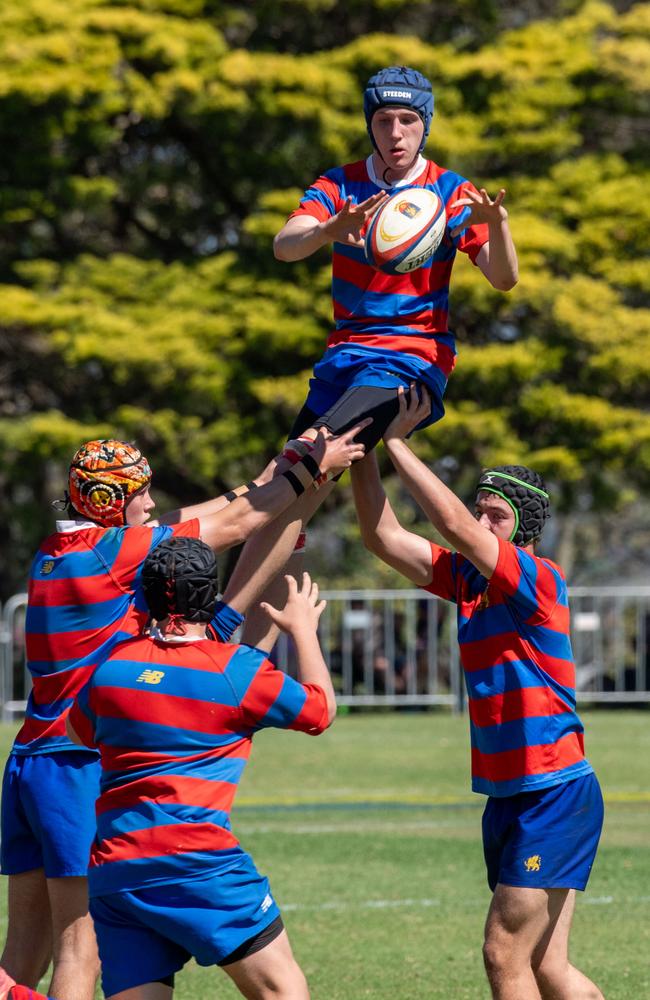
[
  {"x": 389, "y": 329},
  {"x": 84, "y": 596},
  {"x": 173, "y": 717},
  {"x": 544, "y": 812}
]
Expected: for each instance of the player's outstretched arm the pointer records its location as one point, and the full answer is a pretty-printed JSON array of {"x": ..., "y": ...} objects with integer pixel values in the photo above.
[
  {"x": 209, "y": 507},
  {"x": 497, "y": 258},
  {"x": 299, "y": 618},
  {"x": 255, "y": 509},
  {"x": 382, "y": 533},
  {"x": 303, "y": 235},
  {"x": 447, "y": 513}
]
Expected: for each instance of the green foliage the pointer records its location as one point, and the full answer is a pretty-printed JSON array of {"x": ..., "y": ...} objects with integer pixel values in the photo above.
[{"x": 151, "y": 150}]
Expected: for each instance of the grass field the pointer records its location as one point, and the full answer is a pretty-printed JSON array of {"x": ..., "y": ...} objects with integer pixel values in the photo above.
[{"x": 371, "y": 840}]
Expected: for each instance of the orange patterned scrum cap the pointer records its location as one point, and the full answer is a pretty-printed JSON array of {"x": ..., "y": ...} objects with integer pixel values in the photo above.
[{"x": 104, "y": 475}]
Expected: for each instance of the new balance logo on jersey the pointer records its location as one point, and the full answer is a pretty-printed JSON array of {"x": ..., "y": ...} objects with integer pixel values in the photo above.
[
  {"x": 151, "y": 676},
  {"x": 47, "y": 566},
  {"x": 397, "y": 93},
  {"x": 266, "y": 902}
]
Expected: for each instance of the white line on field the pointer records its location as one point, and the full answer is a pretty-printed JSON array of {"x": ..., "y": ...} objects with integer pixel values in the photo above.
[
  {"x": 368, "y": 904},
  {"x": 389, "y": 904},
  {"x": 607, "y": 900},
  {"x": 336, "y": 828}
]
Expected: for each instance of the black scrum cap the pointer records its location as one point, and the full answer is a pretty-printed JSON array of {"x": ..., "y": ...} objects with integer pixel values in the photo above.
[{"x": 180, "y": 578}]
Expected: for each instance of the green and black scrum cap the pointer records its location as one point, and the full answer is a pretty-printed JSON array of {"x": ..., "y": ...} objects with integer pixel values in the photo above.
[{"x": 525, "y": 492}]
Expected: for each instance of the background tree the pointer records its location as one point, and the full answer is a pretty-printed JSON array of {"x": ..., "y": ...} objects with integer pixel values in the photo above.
[{"x": 150, "y": 151}]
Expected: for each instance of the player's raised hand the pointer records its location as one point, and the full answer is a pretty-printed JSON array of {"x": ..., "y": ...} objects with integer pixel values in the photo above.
[
  {"x": 346, "y": 225},
  {"x": 334, "y": 454},
  {"x": 483, "y": 208},
  {"x": 302, "y": 610},
  {"x": 414, "y": 407}
]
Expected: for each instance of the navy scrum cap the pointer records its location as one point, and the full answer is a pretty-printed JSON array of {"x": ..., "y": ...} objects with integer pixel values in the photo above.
[
  {"x": 399, "y": 87},
  {"x": 525, "y": 492},
  {"x": 180, "y": 578}
]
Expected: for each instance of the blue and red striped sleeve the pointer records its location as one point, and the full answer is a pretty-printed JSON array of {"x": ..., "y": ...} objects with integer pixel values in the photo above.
[
  {"x": 443, "y": 573},
  {"x": 322, "y": 199},
  {"x": 269, "y": 698},
  {"x": 473, "y": 237},
  {"x": 536, "y": 586}
]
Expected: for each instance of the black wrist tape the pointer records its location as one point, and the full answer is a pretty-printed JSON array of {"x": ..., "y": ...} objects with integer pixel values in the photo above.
[
  {"x": 311, "y": 466},
  {"x": 251, "y": 486},
  {"x": 295, "y": 483},
  {"x": 230, "y": 496}
]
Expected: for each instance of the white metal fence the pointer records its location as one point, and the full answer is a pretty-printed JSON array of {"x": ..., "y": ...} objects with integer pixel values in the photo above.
[{"x": 398, "y": 648}]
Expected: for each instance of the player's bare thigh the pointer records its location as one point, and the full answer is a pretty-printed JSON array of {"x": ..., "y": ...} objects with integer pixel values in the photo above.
[
  {"x": 269, "y": 974},
  {"x": 28, "y": 947},
  {"x": 74, "y": 947},
  {"x": 553, "y": 946},
  {"x": 518, "y": 919}
]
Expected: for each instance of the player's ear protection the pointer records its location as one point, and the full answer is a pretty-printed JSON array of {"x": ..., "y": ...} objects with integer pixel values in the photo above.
[{"x": 108, "y": 498}]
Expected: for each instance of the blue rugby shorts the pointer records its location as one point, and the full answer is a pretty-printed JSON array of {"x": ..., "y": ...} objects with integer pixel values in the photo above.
[
  {"x": 545, "y": 839},
  {"x": 149, "y": 934},
  {"x": 48, "y": 812}
]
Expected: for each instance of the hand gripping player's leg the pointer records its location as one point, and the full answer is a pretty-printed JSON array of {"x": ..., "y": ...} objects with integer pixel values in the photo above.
[{"x": 259, "y": 573}]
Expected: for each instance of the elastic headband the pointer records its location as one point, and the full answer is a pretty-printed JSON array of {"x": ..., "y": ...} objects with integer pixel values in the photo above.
[{"x": 513, "y": 479}]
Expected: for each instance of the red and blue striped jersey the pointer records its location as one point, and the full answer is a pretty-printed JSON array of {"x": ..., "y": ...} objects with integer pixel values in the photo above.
[
  {"x": 513, "y": 633},
  {"x": 406, "y": 313},
  {"x": 84, "y": 595},
  {"x": 174, "y": 724}
]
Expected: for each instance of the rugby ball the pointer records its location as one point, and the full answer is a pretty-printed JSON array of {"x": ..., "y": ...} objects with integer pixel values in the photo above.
[{"x": 405, "y": 231}]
